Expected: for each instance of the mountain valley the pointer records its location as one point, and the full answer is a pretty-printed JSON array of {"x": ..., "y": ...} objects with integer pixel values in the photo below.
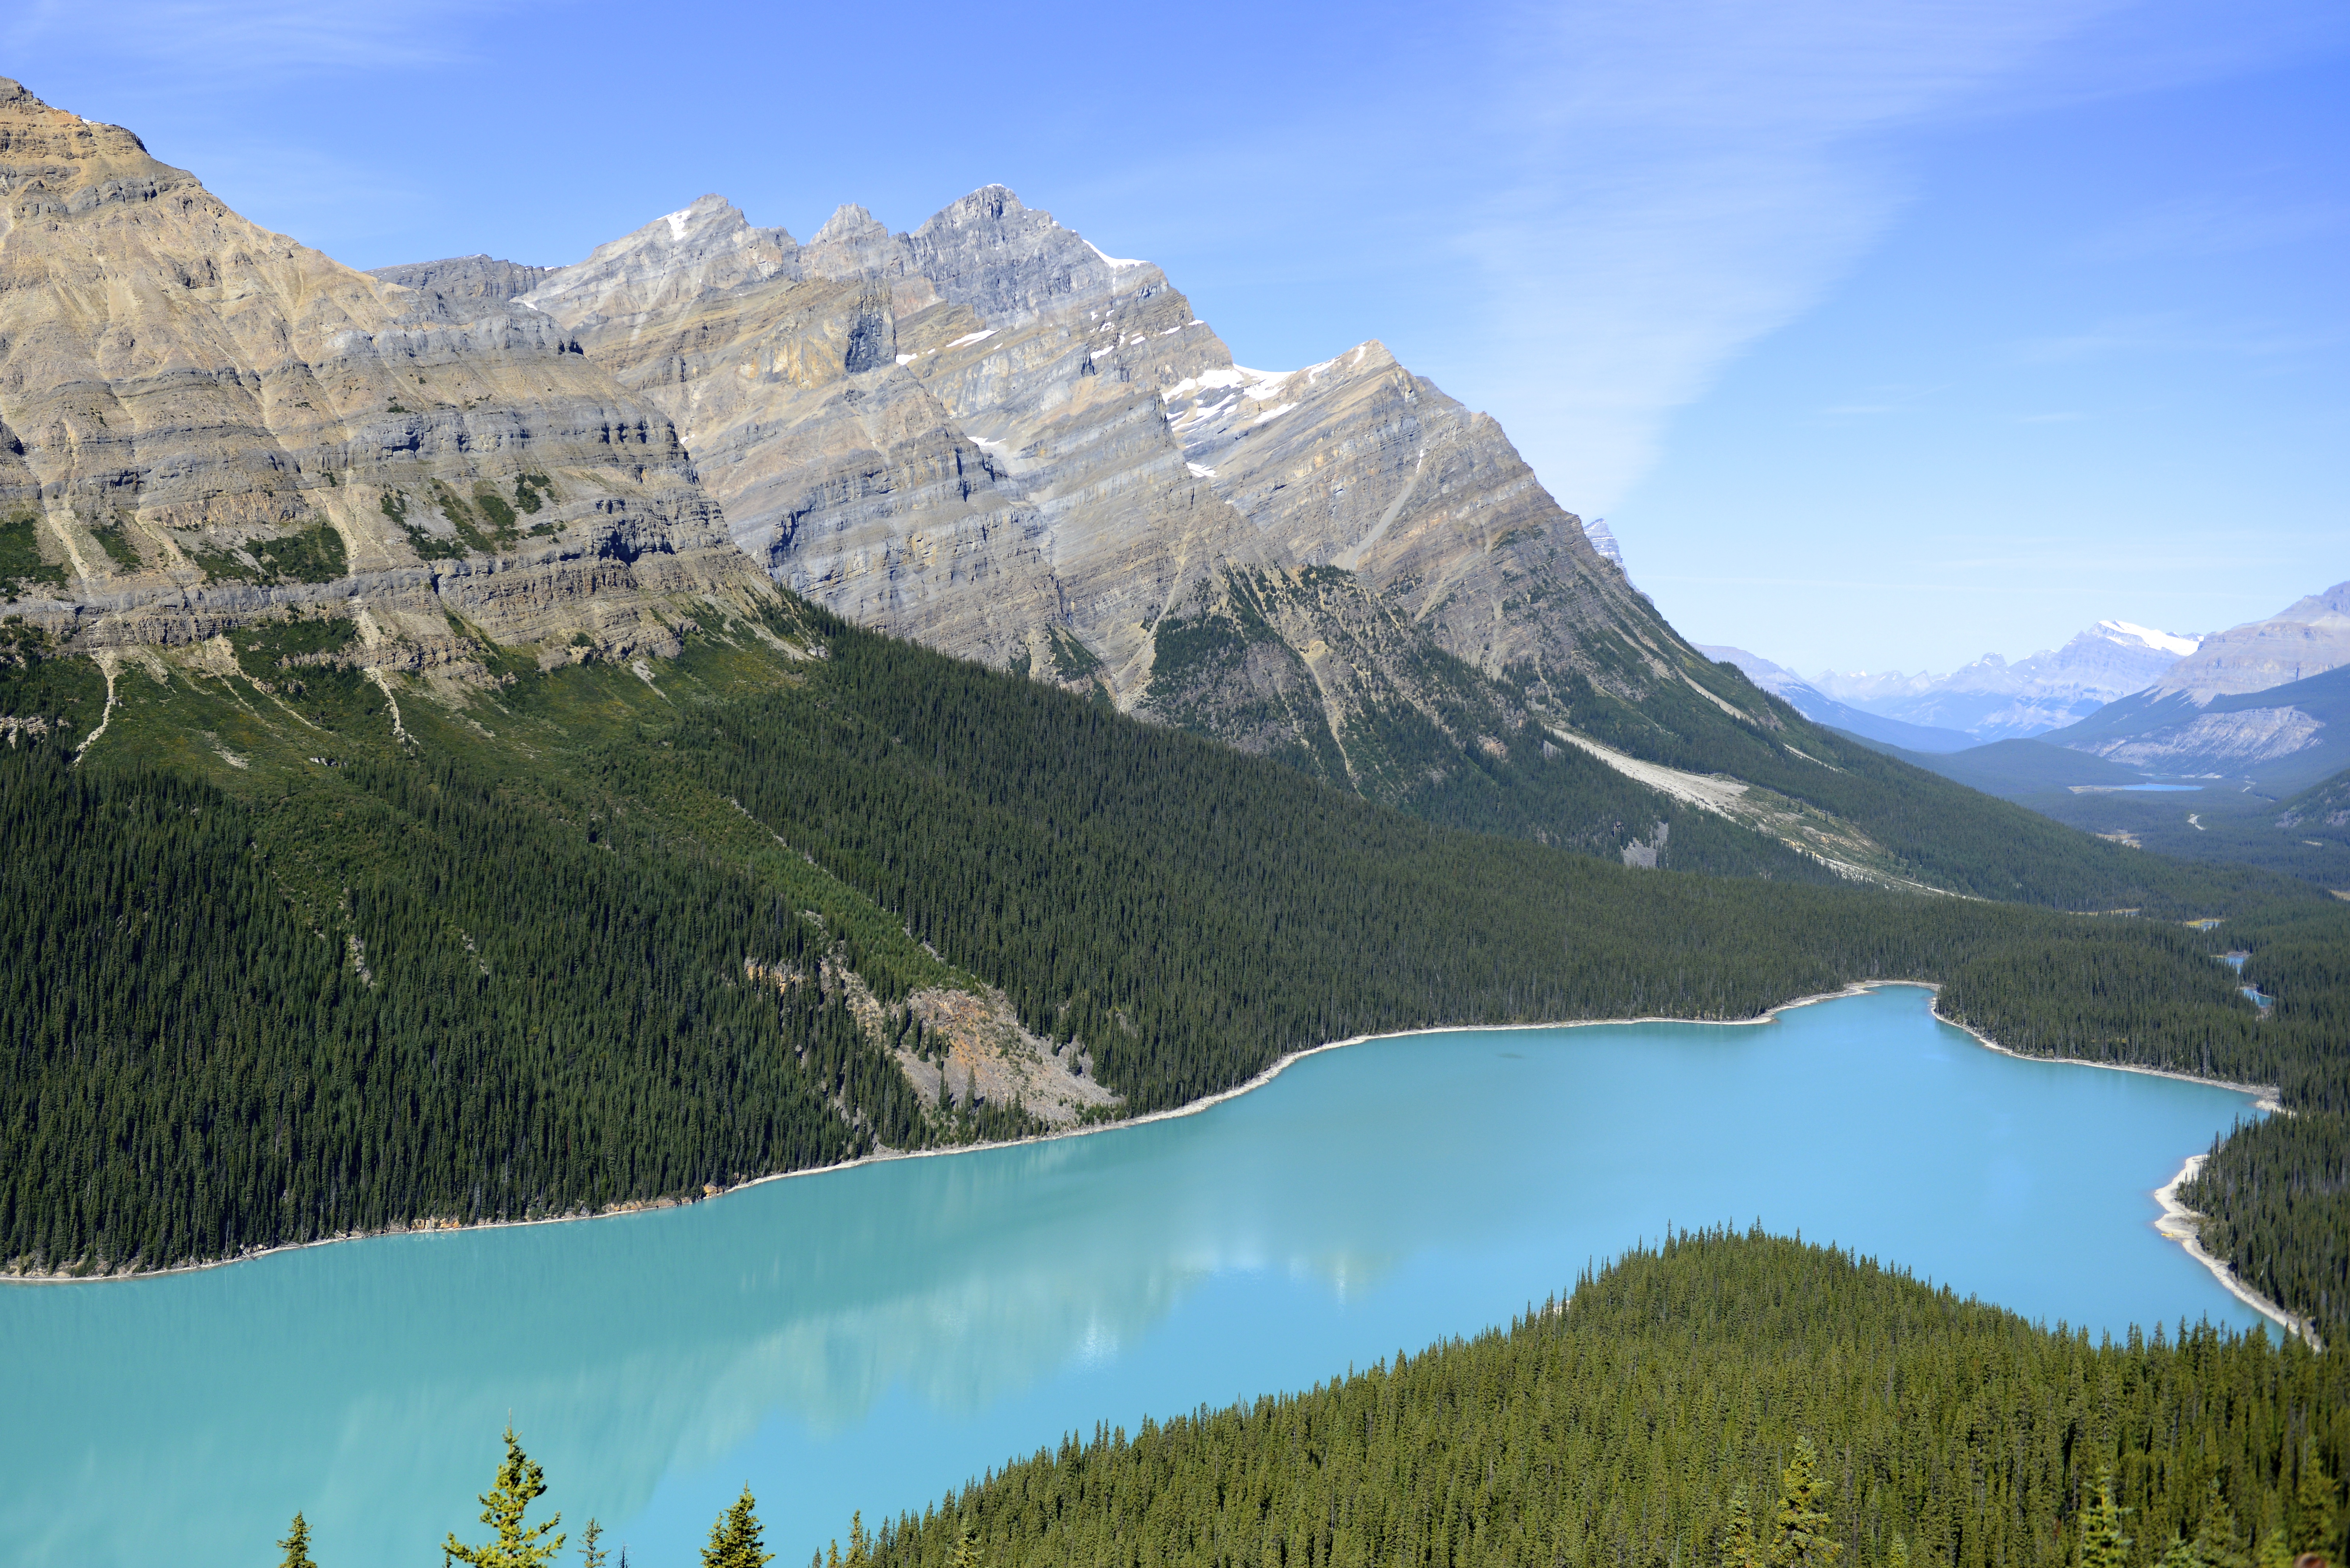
[{"x": 930, "y": 693}]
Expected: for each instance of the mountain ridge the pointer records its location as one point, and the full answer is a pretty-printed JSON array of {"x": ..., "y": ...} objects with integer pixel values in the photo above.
[
  {"x": 1993, "y": 699},
  {"x": 203, "y": 423}
]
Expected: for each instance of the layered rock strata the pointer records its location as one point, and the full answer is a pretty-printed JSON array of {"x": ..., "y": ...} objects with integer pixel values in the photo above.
[
  {"x": 202, "y": 423},
  {"x": 987, "y": 435}
]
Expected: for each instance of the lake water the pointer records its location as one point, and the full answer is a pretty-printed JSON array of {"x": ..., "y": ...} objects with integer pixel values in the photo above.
[{"x": 868, "y": 1338}]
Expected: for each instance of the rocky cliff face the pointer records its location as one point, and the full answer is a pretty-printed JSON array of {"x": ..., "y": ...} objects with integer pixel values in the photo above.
[
  {"x": 987, "y": 435},
  {"x": 202, "y": 423},
  {"x": 2307, "y": 638}
]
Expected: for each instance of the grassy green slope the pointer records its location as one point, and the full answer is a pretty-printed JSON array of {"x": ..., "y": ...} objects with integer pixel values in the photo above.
[{"x": 1615, "y": 1429}]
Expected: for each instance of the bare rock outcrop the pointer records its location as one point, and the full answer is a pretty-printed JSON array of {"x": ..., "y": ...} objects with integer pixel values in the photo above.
[
  {"x": 2308, "y": 637},
  {"x": 987, "y": 435},
  {"x": 202, "y": 423}
]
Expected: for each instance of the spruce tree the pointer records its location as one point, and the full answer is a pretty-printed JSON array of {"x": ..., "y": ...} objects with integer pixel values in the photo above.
[
  {"x": 297, "y": 1546},
  {"x": 2102, "y": 1545},
  {"x": 2275, "y": 1549},
  {"x": 1801, "y": 1540},
  {"x": 734, "y": 1538},
  {"x": 2219, "y": 1543},
  {"x": 2315, "y": 1526},
  {"x": 590, "y": 1555},
  {"x": 1738, "y": 1540},
  {"x": 519, "y": 1484}
]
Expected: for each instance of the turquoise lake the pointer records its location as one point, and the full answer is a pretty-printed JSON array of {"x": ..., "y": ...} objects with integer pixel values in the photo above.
[{"x": 869, "y": 1337}]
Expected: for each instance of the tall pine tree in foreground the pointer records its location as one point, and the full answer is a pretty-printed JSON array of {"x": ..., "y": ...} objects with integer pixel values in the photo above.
[
  {"x": 520, "y": 1483},
  {"x": 297, "y": 1546},
  {"x": 735, "y": 1540}
]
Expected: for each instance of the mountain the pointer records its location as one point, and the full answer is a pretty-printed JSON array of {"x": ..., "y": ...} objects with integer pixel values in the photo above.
[
  {"x": 1992, "y": 699},
  {"x": 988, "y": 435},
  {"x": 985, "y": 433},
  {"x": 2266, "y": 703},
  {"x": 419, "y": 810},
  {"x": 203, "y": 423},
  {"x": 1820, "y": 709},
  {"x": 2307, "y": 638},
  {"x": 2282, "y": 736}
]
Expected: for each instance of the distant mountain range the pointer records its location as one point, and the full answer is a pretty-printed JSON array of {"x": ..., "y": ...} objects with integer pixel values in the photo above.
[
  {"x": 1821, "y": 709},
  {"x": 1992, "y": 699},
  {"x": 2159, "y": 702},
  {"x": 2196, "y": 760}
]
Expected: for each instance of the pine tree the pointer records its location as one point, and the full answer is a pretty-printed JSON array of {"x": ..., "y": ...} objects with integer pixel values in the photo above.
[
  {"x": 734, "y": 1538},
  {"x": 1802, "y": 1540},
  {"x": 1897, "y": 1554},
  {"x": 590, "y": 1555},
  {"x": 2219, "y": 1543},
  {"x": 2102, "y": 1545},
  {"x": 519, "y": 1484},
  {"x": 860, "y": 1547},
  {"x": 297, "y": 1546},
  {"x": 967, "y": 1553},
  {"x": 1738, "y": 1540},
  {"x": 2313, "y": 1505},
  {"x": 2276, "y": 1548}
]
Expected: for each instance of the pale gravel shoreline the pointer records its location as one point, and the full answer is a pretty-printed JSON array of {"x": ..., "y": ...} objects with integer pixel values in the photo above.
[
  {"x": 2165, "y": 1196},
  {"x": 2178, "y": 1222}
]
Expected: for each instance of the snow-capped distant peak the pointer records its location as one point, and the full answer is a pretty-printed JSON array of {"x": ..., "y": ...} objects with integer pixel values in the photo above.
[
  {"x": 1603, "y": 540},
  {"x": 2168, "y": 641}
]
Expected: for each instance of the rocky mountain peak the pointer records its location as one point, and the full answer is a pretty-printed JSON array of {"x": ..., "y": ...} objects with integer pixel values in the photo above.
[
  {"x": 466, "y": 286},
  {"x": 850, "y": 222},
  {"x": 1011, "y": 263},
  {"x": 704, "y": 247},
  {"x": 203, "y": 423},
  {"x": 2308, "y": 637},
  {"x": 55, "y": 162}
]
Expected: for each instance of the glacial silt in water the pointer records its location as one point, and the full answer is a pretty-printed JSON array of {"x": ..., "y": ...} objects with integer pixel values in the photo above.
[{"x": 870, "y": 1337}]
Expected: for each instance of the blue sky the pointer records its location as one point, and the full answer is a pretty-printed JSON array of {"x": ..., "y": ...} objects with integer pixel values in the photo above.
[{"x": 1883, "y": 333}]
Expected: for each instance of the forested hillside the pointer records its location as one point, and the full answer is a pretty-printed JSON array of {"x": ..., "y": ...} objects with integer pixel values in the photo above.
[
  {"x": 284, "y": 964},
  {"x": 1724, "y": 1402}
]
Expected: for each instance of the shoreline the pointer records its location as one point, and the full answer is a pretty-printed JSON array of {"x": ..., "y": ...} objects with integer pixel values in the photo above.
[
  {"x": 2178, "y": 1222},
  {"x": 1208, "y": 1102},
  {"x": 650, "y": 1205}
]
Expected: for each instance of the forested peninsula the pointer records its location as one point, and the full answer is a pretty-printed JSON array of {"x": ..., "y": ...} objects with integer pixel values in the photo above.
[
  {"x": 1722, "y": 1400},
  {"x": 1726, "y": 1400}
]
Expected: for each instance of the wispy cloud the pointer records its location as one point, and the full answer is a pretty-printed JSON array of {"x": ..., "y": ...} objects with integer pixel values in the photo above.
[
  {"x": 1689, "y": 178},
  {"x": 1680, "y": 180}
]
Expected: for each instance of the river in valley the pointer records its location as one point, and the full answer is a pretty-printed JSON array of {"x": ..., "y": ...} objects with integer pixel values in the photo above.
[{"x": 869, "y": 1337}]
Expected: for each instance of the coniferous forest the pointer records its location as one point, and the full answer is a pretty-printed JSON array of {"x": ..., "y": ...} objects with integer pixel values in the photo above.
[
  {"x": 1725, "y": 1401},
  {"x": 578, "y": 944}
]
